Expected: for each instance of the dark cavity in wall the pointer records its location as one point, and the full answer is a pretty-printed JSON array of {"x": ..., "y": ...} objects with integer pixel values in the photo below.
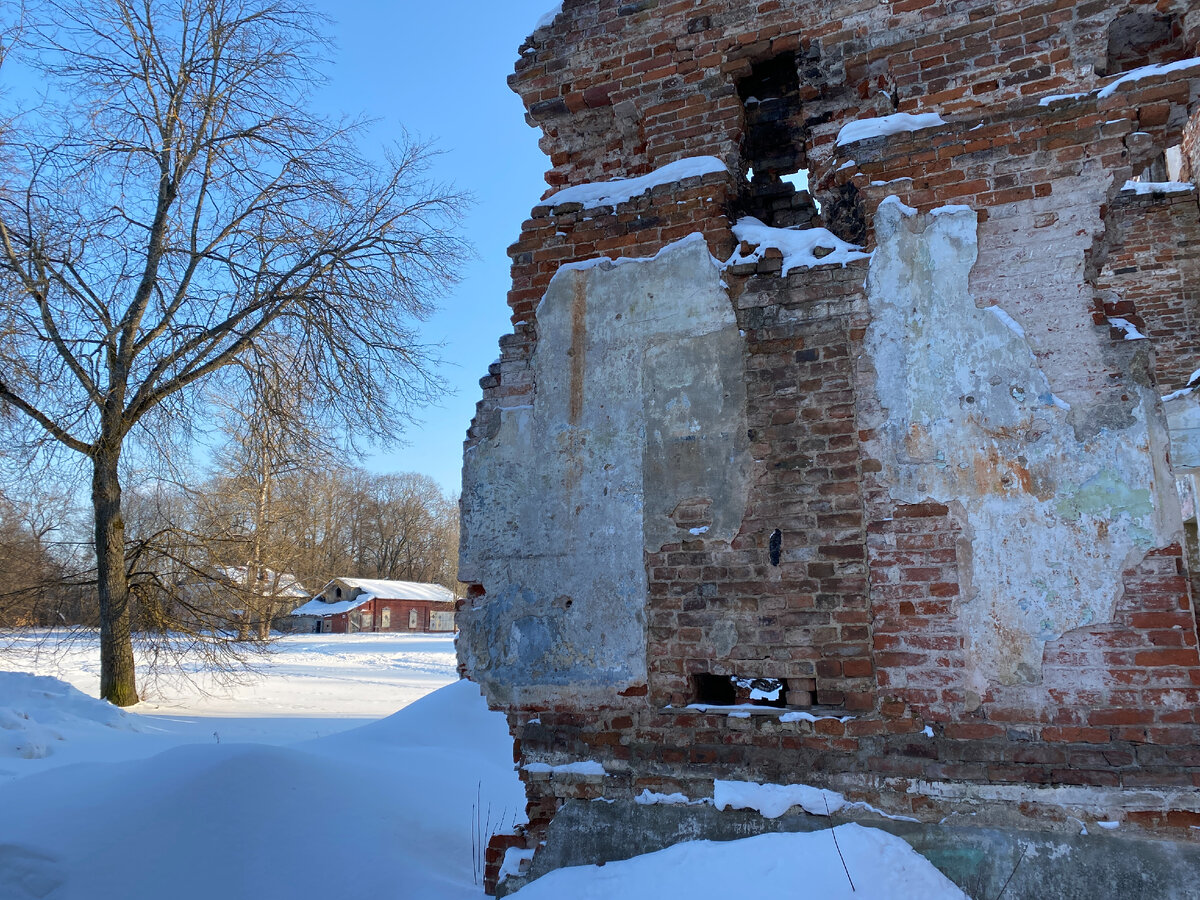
[
  {"x": 1137, "y": 39},
  {"x": 773, "y": 144},
  {"x": 844, "y": 214},
  {"x": 740, "y": 690}
]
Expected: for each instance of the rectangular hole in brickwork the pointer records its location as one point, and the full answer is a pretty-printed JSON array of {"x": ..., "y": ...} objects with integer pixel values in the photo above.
[
  {"x": 1144, "y": 38},
  {"x": 738, "y": 690},
  {"x": 774, "y": 145}
]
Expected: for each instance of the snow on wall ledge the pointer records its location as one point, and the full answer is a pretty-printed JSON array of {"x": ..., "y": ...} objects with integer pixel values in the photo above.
[
  {"x": 799, "y": 246},
  {"x": 881, "y": 126},
  {"x": 1052, "y": 519},
  {"x": 613, "y": 193},
  {"x": 639, "y": 410}
]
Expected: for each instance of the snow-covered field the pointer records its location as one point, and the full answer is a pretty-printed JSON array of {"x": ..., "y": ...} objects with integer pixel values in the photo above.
[
  {"x": 305, "y": 686},
  {"x": 273, "y": 788}
]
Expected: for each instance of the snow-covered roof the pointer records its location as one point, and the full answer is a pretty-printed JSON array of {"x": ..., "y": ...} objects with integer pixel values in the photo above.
[
  {"x": 318, "y": 607},
  {"x": 372, "y": 589},
  {"x": 399, "y": 590}
]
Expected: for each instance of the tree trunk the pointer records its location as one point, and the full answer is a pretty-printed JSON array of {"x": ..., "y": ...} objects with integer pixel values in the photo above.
[{"x": 118, "y": 683}]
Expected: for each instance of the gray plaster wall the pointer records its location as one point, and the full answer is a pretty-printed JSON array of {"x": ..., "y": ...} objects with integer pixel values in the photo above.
[
  {"x": 984, "y": 862},
  {"x": 639, "y": 406},
  {"x": 1054, "y": 507}
]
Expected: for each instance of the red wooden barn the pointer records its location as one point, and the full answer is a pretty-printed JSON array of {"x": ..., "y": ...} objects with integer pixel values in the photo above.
[{"x": 353, "y": 605}]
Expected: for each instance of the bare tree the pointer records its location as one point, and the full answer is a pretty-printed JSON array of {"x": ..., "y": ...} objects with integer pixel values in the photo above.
[
  {"x": 271, "y": 433},
  {"x": 411, "y": 530},
  {"x": 34, "y": 584},
  {"x": 178, "y": 206}
]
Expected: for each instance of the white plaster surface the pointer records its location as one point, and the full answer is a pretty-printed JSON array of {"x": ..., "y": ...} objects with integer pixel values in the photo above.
[
  {"x": 1052, "y": 519},
  {"x": 639, "y": 404}
]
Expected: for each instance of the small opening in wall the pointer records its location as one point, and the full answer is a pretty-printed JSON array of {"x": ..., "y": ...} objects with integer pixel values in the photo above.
[
  {"x": 739, "y": 690},
  {"x": 1166, "y": 166},
  {"x": 1137, "y": 39},
  {"x": 714, "y": 690},
  {"x": 775, "y": 546},
  {"x": 773, "y": 145}
]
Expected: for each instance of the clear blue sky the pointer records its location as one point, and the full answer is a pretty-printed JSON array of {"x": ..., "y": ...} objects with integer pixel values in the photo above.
[{"x": 439, "y": 70}]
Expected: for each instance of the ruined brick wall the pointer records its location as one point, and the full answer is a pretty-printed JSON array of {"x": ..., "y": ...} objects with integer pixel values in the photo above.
[
  {"x": 1152, "y": 277},
  {"x": 650, "y": 82},
  {"x": 804, "y": 619},
  {"x": 855, "y": 573}
]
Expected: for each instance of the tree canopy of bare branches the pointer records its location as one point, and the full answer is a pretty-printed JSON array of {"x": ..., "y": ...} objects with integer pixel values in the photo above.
[{"x": 175, "y": 215}]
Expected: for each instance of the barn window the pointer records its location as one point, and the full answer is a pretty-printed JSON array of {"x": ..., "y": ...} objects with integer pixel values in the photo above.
[
  {"x": 366, "y": 621},
  {"x": 412, "y": 620},
  {"x": 385, "y": 618}
]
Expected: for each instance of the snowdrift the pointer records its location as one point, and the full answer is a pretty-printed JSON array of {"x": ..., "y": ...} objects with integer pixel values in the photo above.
[
  {"x": 796, "y": 866},
  {"x": 38, "y": 713},
  {"x": 381, "y": 811},
  {"x": 388, "y": 810}
]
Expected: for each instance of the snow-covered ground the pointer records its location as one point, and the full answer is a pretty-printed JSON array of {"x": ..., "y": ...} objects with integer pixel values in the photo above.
[
  {"x": 865, "y": 864},
  {"x": 266, "y": 789},
  {"x": 305, "y": 686}
]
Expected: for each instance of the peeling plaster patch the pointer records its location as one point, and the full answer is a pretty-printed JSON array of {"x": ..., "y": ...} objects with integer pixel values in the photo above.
[
  {"x": 724, "y": 637},
  {"x": 639, "y": 405},
  {"x": 972, "y": 422},
  {"x": 1183, "y": 419}
]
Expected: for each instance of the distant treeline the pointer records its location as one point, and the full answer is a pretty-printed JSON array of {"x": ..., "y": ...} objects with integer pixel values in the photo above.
[{"x": 233, "y": 551}]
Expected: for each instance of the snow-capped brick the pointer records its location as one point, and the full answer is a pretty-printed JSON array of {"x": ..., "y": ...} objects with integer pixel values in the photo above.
[
  {"x": 897, "y": 123},
  {"x": 548, "y": 18},
  {"x": 805, "y": 248},
  {"x": 614, "y": 193},
  {"x": 1149, "y": 72},
  {"x": 1130, "y": 330},
  {"x": 1158, "y": 187},
  {"x": 587, "y": 769},
  {"x": 773, "y": 800}
]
